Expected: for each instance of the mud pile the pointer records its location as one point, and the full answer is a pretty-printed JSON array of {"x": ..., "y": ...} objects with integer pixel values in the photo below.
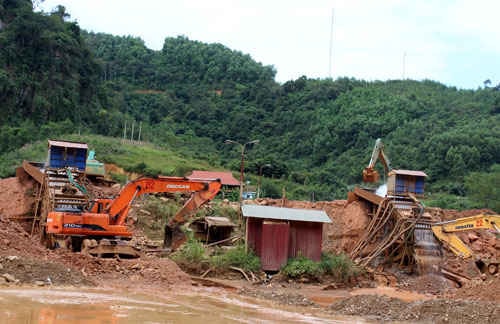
[
  {"x": 16, "y": 198},
  {"x": 26, "y": 261},
  {"x": 383, "y": 308}
]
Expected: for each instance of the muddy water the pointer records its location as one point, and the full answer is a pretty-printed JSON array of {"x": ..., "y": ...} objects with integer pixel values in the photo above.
[{"x": 56, "y": 306}]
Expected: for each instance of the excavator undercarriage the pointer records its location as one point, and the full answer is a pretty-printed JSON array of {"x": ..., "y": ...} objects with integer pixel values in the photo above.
[{"x": 66, "y": 215}]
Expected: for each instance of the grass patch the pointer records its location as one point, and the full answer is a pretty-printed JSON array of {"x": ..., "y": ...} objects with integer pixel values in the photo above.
[
  {"x": 191, "y": 252},
  {"x": 340, "y": 267},
  {"x": 236, "y": 257},
  {"x": 302, "y": 267}
]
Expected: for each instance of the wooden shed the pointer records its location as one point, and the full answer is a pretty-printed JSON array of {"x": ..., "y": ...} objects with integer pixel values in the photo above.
[
  {"x": 402, "y": 182},
  {"x": 277, "y": 234}
]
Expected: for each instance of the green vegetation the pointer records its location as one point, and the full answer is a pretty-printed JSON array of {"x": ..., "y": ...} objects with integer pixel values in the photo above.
[
  {"x": 236, "y": 257},
  {"x": 191, "y": 252},
  {"x": 317, "y": 135},
  {"x": 302, "y": 267},
  {"x": 340, "y": 267}
]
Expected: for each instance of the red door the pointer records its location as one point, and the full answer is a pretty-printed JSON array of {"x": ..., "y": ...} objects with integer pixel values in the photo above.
[{"x": 274, "y": 247}]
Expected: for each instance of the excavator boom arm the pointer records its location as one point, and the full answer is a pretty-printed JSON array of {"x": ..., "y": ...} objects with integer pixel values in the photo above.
[
  {"x": 480, "y": 221},
  {"x": 445, "y": 231},
  {"x": 369, "y": 173},
  {"x": 378, "y": 153},
  {"x": 203, "y": 190}
]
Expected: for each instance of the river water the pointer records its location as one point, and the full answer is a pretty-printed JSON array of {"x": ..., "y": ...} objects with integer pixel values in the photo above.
[{"x": 54, "y": 306}]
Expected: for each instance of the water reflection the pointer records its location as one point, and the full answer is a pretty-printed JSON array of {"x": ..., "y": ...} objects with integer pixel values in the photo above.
[{"x": 53, "y": 306}]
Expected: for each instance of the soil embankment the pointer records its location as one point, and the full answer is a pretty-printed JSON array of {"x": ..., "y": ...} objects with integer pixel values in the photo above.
[{"x": 24, "y": 261}]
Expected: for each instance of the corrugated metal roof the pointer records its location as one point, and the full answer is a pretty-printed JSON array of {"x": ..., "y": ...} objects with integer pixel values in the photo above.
[
  {"x": 304, "y": 215},
  {"x": 226, "y": 178},
  {"x": 68, "y": 144},
  {"x": 219, "y": 221},
  {"x": 409, "y": 172}
]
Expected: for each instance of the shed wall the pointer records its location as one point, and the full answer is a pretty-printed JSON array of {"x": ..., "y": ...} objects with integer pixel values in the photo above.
[
  {"x": 305, "y": 240},
  {"x": 254, "y": 235},
  {"x": 275, "y": 245}
]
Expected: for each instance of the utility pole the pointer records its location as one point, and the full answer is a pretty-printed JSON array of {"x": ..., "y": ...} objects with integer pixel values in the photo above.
[{"x": 242, "y": 163}]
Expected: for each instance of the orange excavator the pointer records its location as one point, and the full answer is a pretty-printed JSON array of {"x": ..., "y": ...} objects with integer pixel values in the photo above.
[
  {"x": 105, "y": 220},
  {"x": 369, "y": 173}
]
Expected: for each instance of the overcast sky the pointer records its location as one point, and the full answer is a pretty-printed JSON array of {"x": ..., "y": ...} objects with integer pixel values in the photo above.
[{"x": 453, "y": 42}]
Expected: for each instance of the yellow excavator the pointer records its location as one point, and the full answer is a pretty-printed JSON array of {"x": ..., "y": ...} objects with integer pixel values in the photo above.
[
  {"x": 446, "y": 233},
  {"x": 369, "y": 173}
]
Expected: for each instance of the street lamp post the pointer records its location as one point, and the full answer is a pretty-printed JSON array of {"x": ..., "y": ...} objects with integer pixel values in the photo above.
[
  {"x": 260, "y": 178},
  {"x": 242, "y": 164}
]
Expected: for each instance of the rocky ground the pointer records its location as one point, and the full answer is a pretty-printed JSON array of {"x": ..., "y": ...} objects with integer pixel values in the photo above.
[{"x": 24, "y": 261}]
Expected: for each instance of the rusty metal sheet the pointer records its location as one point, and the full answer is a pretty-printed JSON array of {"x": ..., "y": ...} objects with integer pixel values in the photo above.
[
  {"x": 219, "y": 221},
  {"x": 305, "y": 240},
  {"x": 275, "y": 239},
  {"x": 254, "y": 235},
  {"x": 226, "y": 178},
  {"x": 33, "y": 171},
  {"x": 367, "y": 195},
  {"x": 408, "y": 172}
]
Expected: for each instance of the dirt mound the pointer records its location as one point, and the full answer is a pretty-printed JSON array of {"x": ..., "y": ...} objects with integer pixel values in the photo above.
[
  {"x": 31, "y": 271},
  {"x": 481, "y": 290},
  {"x": 14, "y": 240},
  {"x": 383, "y": 308},
  {"x": 16, "y": 198},
  {"x": 24, "y": 257},
  {"x": 143, "y": 272}
]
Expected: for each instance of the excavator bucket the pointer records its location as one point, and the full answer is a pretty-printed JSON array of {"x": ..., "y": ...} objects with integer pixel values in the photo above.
[
  {"x": 174, "y": 237},
  {"x": 370, "y": 175}
]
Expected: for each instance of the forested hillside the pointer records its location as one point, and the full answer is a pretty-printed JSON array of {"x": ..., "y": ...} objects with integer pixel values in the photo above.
[{"x": 190, "y": 96}]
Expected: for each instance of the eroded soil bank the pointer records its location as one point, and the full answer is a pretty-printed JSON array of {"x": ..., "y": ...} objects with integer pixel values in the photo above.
[{"x": 25, "y": 263}]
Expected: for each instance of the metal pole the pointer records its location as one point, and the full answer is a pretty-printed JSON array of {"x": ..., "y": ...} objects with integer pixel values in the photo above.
[
  {"x": 260, "y": 178},
  {"x": 242, "y": 167}
]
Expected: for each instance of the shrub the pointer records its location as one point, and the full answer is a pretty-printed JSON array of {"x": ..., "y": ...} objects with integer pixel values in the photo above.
[
  {"x": 339, "y": 266},
  {"x": 237, "y": 257},
  {"x": 302, "y": 267},
  {"x": 192, "y": 251}
]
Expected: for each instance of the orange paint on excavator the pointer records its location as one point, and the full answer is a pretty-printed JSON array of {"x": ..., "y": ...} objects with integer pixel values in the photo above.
[{"x": 107, "y": 217}]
